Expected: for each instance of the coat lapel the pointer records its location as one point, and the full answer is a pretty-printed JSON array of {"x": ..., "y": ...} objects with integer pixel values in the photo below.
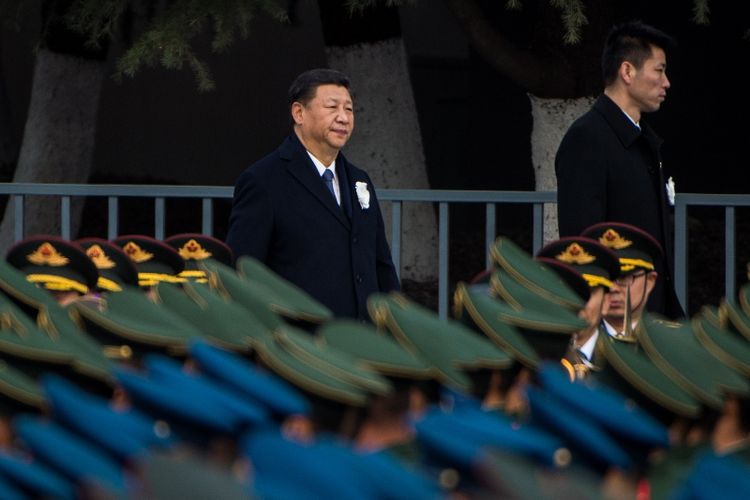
[{"x": 301, "y": 168}]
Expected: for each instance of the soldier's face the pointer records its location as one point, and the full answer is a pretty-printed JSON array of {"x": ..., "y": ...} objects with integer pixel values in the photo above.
[
  {"x": 327, "y": 121},
  {"x": 649, "y": 83},
  {"x": 641, "y": 283},
  {"x": 592, "y": 311}
]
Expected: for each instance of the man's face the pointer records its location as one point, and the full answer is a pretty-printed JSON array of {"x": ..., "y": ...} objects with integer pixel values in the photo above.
[
  {"x": 592, "y": 311},
  {"x": 641, "y": 283},
  {"x": 649, "y": 83},
  {"x": 327, "y": 121}
]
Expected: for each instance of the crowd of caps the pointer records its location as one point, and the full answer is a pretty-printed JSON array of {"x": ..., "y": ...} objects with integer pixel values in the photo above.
[{"x": 135, "y": 367}]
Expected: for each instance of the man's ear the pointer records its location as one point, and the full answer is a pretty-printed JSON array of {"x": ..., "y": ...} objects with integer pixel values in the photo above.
[
  {"x": 627, "y": 71},
  {"x": 298, "y": 111},
  {"x": 651, "y": 278}
]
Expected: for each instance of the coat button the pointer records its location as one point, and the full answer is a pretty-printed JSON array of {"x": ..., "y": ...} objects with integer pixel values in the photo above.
[{"x": 358, "y": 278}]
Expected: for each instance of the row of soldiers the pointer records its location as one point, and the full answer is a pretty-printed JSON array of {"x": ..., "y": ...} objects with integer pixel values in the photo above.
[{"x": 164, "y": 369}]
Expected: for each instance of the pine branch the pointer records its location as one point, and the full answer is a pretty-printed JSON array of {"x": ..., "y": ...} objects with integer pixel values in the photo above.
[{"x": 700, "y": 12}]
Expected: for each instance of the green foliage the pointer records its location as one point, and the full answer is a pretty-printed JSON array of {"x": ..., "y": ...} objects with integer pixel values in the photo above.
[
  {"x": 170, "y": 32},
  {"x": 98, "y": 20},
  {"x": 700, "y": 11},
  {"x": 359, "y": 6}
]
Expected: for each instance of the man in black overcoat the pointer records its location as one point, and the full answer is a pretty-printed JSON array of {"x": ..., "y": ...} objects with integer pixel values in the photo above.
[
  {"x": 309, "y": 214},
  {"x": 608, "y": 165}
]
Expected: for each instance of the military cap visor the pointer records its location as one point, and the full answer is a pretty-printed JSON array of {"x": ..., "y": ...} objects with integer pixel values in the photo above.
[
  {"x": 155, "y": 260},
  {"x": 595, "y": 262},
  {"x": 196, "y": 247},
  {"x": 635, "y": 248},
  {"x": 114, "y": 266},
  {"x": 54, "y": 263}
]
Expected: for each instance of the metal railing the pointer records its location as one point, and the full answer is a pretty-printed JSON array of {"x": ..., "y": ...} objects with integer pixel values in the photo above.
[
  {"x": 396, "y": 197},
  {"x": 730, "y": 202}
]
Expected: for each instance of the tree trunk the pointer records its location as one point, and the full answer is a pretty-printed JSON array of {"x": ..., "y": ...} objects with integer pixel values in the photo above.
[
  {"x": 58, "y": 141},
  {"x": 8, "y": 147},
  {"x": 551, "y": 119},
  {"x": 387, "y": 142}
]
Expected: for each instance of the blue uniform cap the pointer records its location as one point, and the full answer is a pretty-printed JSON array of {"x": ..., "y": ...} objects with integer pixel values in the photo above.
[
  {"x": 34, "y": 477},
  {"x": 288, "y": 470},
  {"x": 582, "y": 434},
  {"x": 124, "y": 434},
  {"x": 482, "y": 429},
  {"x": 75, "y": 458},
  {"x": 715, "y": 477},
  {"x": 185, "y": 406},
  {"x": 165, "y": 370},
  {"x": 9, "y": 492},
  {"x": 240, "y": 375},
  {"x": 607, "y": 408}
]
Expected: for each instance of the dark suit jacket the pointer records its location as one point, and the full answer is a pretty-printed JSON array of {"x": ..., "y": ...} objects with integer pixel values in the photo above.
[
  {"x": 283, "y": 215},
  {"x": 608, "y": 170}
]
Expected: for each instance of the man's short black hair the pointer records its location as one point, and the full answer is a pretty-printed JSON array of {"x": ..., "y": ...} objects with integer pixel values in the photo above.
[
  {"x": 632, "y": 42},
  {"x": 304, "y": 86}
]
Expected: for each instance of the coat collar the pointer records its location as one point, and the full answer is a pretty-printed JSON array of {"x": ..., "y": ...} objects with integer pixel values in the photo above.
[
  {"x": 301, "y": 168},
  {"x": 623, "y": 128}
]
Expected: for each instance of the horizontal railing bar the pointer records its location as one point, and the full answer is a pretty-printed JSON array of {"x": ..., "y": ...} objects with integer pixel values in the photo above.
[
  {"x": 410, "y": 195},
  {"x": 148, "y": 191},
  {"x": 467, "y": 196}
]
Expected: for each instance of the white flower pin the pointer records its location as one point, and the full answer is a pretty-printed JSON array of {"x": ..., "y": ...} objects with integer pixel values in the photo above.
[
  {"x": 670, "y": 191},
  {"x": 363, "y": 195}
]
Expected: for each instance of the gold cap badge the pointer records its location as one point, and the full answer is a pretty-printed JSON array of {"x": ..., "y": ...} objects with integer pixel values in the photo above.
[
  {"x": 136, "y": 253},
  {"x": 193, "y": 250},
  {"x": 575, "y": 254},
  {"x": 100, "y": 258},
  {"x": 612, "y": 239},
  {"x": 47, "y": 255}
]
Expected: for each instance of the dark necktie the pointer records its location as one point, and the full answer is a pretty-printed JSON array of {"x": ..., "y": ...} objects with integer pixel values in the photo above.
[{"x": 328, "y": 178}]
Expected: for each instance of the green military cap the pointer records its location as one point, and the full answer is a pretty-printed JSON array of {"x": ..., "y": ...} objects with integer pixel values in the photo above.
[
  {"x": 374, "y": 349},
  {"x": 596, "y": 263},
  {"x": 532, "y": 274},
  {"x": 18, "y": 391},
  {"x": 726, "y": 346},
  {"x": 744, "y": 295},
  {"x": 629, "y": 371},
  {"x": 570, "y": 276},
  {"x": 257, "y": 298},
  {"x": 183, "y": 475},
  {"x": 50, "y": 338},
  {"x": 131, "y": 318},
  {"x": 674, "y": 349},
  {"x": 54, "y": 263},
  {"x": 517, "y": 293},
  {"x": 324, "y": 372},
  {"x": 545, "y": 325},
  {"x": 37, "y": 350},
  {"x": 27, "y": 295},
  {"x": 483, "y": 312},
  {"x": 89, "y": 357},
  {"x": 732, "y": 316},
  {"x": 635, "y": 248},
  {"x": 20, "y": 338},
  {"x": 114, "y": 266},
  {"x": 334, "y": 361},
  {"x": 450, "y": 347},
  {"x": 223, "y": 322},
  {"x": 155, "y": 260},
  {"x": 195, "y": 247},
  {"x": 290, "y": 300}
]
